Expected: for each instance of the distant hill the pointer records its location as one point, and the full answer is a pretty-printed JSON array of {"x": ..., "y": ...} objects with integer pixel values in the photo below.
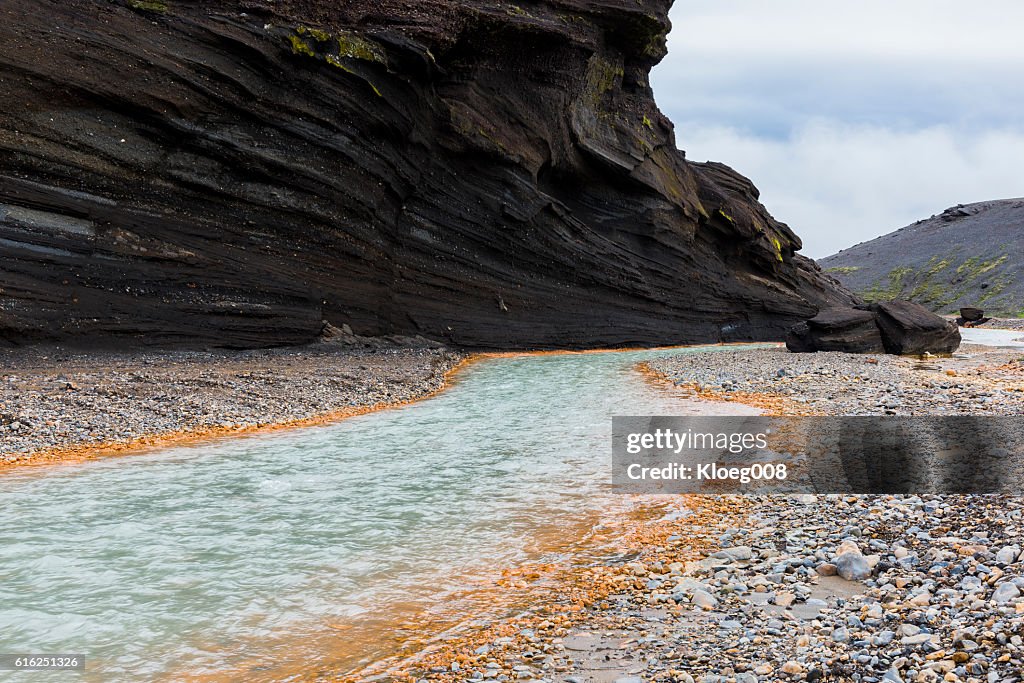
[{"x": 969, "y": 255}]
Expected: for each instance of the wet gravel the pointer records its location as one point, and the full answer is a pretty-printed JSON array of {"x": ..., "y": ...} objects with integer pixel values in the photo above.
[
  {"x": 799, "y": 588},
  {"x": 932, "y": 593}
]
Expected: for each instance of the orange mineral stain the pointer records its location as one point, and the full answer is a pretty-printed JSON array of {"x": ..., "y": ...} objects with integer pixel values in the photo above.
[
  {"x": 769, "y": 403},
  {"x": 150, "y": 442}
]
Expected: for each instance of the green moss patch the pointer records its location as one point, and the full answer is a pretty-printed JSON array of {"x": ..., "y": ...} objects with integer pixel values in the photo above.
[
  {"x": 343, "y": 51},
  {"x": 880, "y": 291},
  {"x": 149, "y": 6}
]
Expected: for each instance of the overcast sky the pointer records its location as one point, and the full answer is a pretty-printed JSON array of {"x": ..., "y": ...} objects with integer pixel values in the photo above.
[{"x": 853, "y": 118}]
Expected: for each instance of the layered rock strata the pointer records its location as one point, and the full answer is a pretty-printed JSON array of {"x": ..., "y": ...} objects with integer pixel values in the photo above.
[{"x": 480, "y": 173}]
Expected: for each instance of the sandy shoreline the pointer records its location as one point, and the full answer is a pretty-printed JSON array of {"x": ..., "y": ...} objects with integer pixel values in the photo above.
[{"x": 58, "y": 405}]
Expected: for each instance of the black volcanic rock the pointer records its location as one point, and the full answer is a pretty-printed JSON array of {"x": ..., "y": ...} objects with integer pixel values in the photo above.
[
  {"x": 967, "y": 256},
  {"x": 489, "y": 174},
  {"x": 849, "y": 330},
  {"x": 895, "y": 327},
  {"x": 909, "y": 328},
  {"x": 972, "y": 315}
]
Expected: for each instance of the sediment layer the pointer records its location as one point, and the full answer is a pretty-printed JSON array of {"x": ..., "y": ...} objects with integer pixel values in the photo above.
[{"x": 234, "y": 174}]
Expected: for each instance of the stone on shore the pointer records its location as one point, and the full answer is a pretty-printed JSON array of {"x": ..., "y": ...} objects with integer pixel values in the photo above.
[
  {"x": 837, "y": 329},
  {"x": 1008, "y": 555},
  {"x": 1005, "y": 593},
  {"x": 971, "y": 315},
  {"x": 909, "y": 328},
  {"x": 704, "y": 599},
  {"x": 894, "y": 327},
  {"x": 737, "y": 554},
  {"x": 850, "y": 564},
  {"x": 793, "y": 668}
]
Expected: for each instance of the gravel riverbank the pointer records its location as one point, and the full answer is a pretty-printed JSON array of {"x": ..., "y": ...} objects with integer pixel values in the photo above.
[
  {"x": 57, "y": 403},
  {"x": 1004, "y": 324},
  {"x": 766, "y": 589},
  {"x": 977, "y": 381},
  {"x": 793, "y": 588}
]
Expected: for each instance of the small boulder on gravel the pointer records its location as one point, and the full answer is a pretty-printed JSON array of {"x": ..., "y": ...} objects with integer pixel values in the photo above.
[
  {"x": 1008, "y": 555},
  {"x": 1005, "y": 592},
  {"x": 851, "y": 564},
  {"x": 703, "y": 599},
  {"x": 740, "y": 553},
  {"x": 909, "y": 328},
  {"x": 971, "y": 315}
]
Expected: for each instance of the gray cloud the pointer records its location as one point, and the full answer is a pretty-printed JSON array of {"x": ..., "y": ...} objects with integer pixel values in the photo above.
[{"x": 853, "y": 118}]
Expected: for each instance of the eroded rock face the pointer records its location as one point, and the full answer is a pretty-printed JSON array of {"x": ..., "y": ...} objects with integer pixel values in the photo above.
[
  {"x": 485, "y": 174},
  {"x": 895, "y": 327}
]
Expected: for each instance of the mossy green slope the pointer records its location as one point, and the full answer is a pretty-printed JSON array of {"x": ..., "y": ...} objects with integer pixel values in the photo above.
[{"x": 966, "y": 256}]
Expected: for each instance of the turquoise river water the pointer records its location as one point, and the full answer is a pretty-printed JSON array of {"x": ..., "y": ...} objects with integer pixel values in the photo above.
[{"x": 236, "y": 559}]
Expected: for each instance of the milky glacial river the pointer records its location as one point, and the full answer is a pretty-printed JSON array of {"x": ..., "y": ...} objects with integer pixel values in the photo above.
[{"x": 240, "y": 559}]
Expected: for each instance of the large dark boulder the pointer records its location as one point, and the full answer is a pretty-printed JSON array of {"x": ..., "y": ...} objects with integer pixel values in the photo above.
[
  {"x": 238, "y": 172},
  {"x": 896, "y": 327},
  {"x": 909, "y": 328},
  {"x": 837, "y": 329}
]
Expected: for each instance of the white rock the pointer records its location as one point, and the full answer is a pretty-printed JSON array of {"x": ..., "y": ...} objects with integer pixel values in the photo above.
[
  {"x": 703, "y": 599},
  {"x": 792, "y": 667},
  {"x": 922, "y": 599},
  {"x": 852, "y": 566},
  {"x": 740, "y": 553},
  {"x": 1008, "y": 555},
  {"x": 847, "y": 547},
  {"x": 1005, "y": 593}
]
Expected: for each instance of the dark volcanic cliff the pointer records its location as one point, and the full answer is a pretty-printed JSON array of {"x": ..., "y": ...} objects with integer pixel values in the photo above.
[
  {"x": 489, "y": 174},
  {"x": 966, "y": 256}
]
